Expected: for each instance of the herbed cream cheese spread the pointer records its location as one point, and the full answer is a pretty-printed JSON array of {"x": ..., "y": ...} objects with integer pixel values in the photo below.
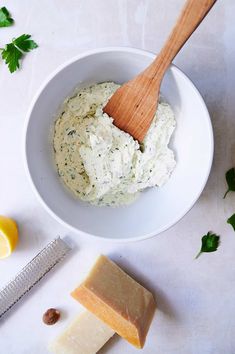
[{"x": 99, "y": 162}]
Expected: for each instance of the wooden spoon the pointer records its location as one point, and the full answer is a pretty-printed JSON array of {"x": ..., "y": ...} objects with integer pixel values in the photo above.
[{"x": 134, "y": 104}]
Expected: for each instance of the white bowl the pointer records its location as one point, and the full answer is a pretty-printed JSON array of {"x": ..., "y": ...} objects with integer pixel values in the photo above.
[{"x": 157, "y": 209}]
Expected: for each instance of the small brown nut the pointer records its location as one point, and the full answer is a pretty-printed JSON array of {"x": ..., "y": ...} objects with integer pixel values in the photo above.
[{"x": 51, "y": 316}]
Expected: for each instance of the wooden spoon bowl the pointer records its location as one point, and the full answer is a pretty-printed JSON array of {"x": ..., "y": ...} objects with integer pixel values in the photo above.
[{"x": 134, "y": 104}]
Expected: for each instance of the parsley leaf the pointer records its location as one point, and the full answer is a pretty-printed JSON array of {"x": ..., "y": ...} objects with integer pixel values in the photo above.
[
  {"x": 24, "y": 43},
  {"x": 210, "y": 243},
  {"x": 231, "y": 221},
  {"x": 14, "y": 51},
  {"x": 12, "y": 56},
  {"x": 230, "y": 178},
  {"x": 5, "y": 18}
]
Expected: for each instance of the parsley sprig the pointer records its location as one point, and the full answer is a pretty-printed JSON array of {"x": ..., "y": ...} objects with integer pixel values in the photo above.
[
  {"x": 230, "y": 179},
  {"x": 210, "y": 243},
  {"x": 5, "y": 18},
  {"x": 231, "y": 221},
  {"x": 14, "y": 51}
]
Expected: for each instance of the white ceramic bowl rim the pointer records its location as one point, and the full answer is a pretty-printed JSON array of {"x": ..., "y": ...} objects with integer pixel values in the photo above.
[{"x": 41, "y": 88}]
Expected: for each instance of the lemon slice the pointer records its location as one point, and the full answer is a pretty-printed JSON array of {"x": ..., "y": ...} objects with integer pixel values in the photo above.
[{"x": 8, "y": 236}]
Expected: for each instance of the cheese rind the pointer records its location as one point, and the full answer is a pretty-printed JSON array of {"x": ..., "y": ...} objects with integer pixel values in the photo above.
[
  {"x": 85, "y": 335},
  {"x": 118, "y": 300}
]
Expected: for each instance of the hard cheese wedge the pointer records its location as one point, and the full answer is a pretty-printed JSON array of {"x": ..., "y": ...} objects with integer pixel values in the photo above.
[
  {"x": 118, "y": 300},
  {"x": 86, "y": 335}
]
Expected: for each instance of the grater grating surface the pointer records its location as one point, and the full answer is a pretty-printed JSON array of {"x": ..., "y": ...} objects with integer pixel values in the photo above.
[{"x": 32, "y": 273}]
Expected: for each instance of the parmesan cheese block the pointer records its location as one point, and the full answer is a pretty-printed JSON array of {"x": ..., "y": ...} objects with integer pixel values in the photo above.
[
  {"x": 118, "y": 300},
  {"x": 86, "y": 335}
]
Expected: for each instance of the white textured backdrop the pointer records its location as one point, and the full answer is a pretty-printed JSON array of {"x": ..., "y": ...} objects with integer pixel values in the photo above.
[{"x": 196, "y": 300}]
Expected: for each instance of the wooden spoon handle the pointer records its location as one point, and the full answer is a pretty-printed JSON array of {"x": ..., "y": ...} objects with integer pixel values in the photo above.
[{"x": 191, "y": 16}]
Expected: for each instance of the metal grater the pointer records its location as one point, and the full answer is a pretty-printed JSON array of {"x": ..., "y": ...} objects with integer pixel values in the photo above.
[{"x": 32, "y": 273}]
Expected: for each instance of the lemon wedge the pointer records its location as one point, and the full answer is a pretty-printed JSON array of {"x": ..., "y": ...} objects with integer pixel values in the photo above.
[{"x": 8, "y": 236}]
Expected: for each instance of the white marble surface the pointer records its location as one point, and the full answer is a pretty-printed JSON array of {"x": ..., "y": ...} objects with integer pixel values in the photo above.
[{"x": 195, "y": 297}]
